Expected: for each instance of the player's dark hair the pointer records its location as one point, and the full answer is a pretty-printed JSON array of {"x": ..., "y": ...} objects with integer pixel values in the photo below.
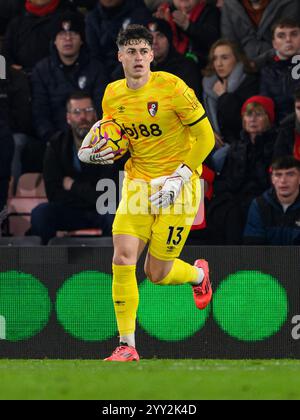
[
  {"x": 132, "y": 34},
  {"x": 80, "y": 94},
  {"x": 285, "y": 162},
  {"x": 285, "y": 23}
]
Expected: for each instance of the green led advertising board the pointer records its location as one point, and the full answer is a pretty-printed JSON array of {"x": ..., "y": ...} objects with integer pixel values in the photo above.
[
  {"x": 84, "y": 306},
  {"x": 250, "y": 306},
  {"x": 247, "y": 305},
  {"x": 168, "y": 312},
  {"x": 24, "y": 304}
]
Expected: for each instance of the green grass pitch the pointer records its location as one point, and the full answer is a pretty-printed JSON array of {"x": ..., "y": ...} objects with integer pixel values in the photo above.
[{"x": 149, "y": 379}]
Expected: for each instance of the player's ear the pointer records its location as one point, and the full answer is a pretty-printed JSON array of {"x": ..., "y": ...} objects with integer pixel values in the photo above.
[
  {"x": 151, "y": 56},
  {"x": 120, "y": 56}
]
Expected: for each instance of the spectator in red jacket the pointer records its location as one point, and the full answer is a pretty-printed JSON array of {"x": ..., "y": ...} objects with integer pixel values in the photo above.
[{"x": 195, "y": 24}]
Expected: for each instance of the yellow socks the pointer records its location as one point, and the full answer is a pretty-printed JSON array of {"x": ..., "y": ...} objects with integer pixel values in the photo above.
[
  {"x": 181, "y": 273},
  {"x": 125, "y": 298},
  {"x": 126, "y": 294}
]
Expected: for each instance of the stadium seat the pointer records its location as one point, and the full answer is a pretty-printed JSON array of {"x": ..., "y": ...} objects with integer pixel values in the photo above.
[
  {"x": 19, "y": 212},
  {"x": 84, "y": 242},
  {"x": 29, "y": 194},
  {"x": 21, "y": 241},
  {"x": 31, "y": 185},
  {"x": 80, "y": 233}
]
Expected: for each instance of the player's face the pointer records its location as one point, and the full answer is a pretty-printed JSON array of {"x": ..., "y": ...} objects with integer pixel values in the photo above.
[
  {"x": 68, "y": 43},
  {"x": 136, "y": 58},
  {"x": 286, "y": 182},
  {"x": 160, "y": 46},
  {"x": 287, "y": 41},
  {"x": 224, "y": 61},
  {"x": 81, "y": 116}
]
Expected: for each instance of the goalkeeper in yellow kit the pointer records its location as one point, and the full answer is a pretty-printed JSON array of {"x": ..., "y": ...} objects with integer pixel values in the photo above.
[{"x": 170, "y": 136}]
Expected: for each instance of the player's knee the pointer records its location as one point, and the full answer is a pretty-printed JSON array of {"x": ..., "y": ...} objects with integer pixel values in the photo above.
[{"x": 123, "y": 258}]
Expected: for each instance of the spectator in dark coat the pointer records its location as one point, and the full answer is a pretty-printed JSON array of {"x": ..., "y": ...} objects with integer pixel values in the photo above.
[
  {"x": 288, "y": 140},
  {"x": 9, "y": 9},
  {"x": 104, "y": 23},
  {"x": 277, "y": 81},
  {"x": 166, "y": 58},
  {"x": 196, "y": 26},
  {"x": 249, "y": 22},
  {"x": 27, "y": 39},
  {"x": 274, "y": 217},
  {"x": 229, "y": 81},
  {"x": 246, "y": 172},
  {"x": 15, "y": 101},
  {"x": 6, "y": 155},
  {"x": 69, "y": 68},
  {"x": 70, "y": 184}
]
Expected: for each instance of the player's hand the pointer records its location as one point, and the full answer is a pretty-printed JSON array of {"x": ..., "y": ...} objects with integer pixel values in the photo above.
[
  {"x": 94, "y": 154},
  {"x": 170, "y": 187}
]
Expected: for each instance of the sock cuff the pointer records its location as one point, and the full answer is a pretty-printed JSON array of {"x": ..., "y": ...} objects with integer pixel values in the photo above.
[{"x": 123, "y": 269}]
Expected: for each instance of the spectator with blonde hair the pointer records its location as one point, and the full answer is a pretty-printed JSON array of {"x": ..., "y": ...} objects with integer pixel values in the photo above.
[{"x": 229, "y": 81}]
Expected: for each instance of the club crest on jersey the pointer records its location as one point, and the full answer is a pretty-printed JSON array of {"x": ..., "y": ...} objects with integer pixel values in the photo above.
[{"x": 152, "y": 108}]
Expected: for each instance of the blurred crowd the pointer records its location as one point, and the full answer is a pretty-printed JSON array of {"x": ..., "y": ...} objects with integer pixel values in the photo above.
[{"x": 242, "y": 58}]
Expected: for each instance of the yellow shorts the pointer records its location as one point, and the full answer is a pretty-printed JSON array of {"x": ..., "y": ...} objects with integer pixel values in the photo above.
[{"x": 166, "y": 230}]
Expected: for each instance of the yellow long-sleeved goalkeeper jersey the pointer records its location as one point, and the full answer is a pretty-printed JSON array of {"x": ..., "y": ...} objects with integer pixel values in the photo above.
[{"x": 157, "y": 119}]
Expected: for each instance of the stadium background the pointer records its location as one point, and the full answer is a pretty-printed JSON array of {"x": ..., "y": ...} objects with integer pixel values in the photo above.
[{"x": 56, "y": 303}]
